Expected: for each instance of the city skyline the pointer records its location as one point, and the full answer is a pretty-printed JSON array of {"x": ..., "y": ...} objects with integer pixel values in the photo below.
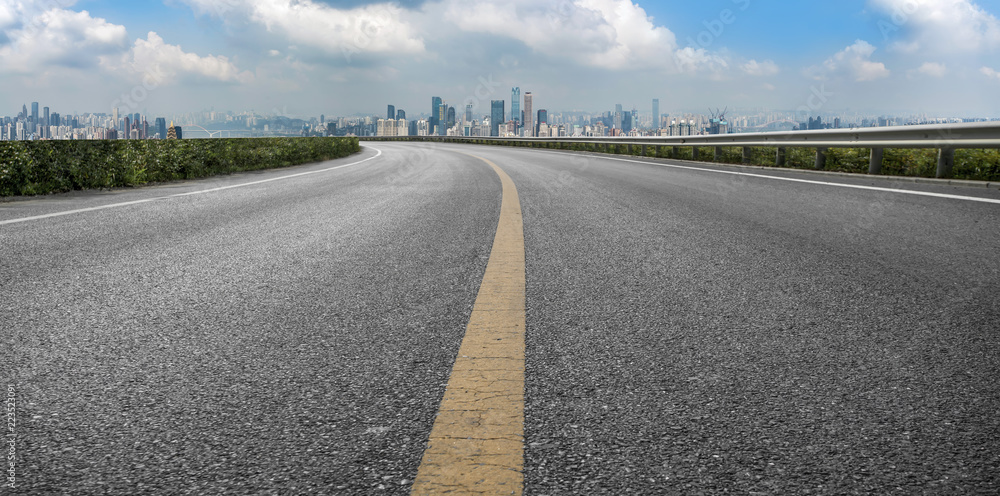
[{"x": 343, "y": 57}]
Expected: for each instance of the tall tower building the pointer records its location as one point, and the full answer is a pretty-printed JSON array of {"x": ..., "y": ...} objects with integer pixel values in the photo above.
[
  {"x": 161, "y": 128},
  {"x": 529, "y": 124},
  {"x": 114, "y": 115},
  {"x": 515, "y": 104},
  {"x": 400, "y": 114},
  {"x": 435, "y": 108},
  {"x": 45, "y": 116},
  {"x": 656, "y": 113},
  {"x": 617, "y": 122},
  {"x": 496, "y": 116},
  {"x": 391, "y": 112},
  {"x": 442, "y": 119}
]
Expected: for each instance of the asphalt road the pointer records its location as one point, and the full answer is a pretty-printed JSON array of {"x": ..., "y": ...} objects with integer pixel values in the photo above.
[{"x": 689, "y": 331}]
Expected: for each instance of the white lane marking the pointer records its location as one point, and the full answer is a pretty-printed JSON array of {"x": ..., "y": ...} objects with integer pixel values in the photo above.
[
  {"x": 807, "y": 181},
  {"x": 212, "y": 190}
]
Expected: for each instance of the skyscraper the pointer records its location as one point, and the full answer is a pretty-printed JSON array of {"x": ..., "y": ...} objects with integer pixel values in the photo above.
[
  {"x": 617, "y": 122},
  {"x": 114, "y": 114},
  {"x": 435, "y": 108},
  {"x": 451, "y": 117},
  {"x": 400, "y": 114},
  {"x": 161, "y": 128},
  {"x": 45, "y": 116},
  {"x": 468, "y": 113},
  {"x": 515, "y": 104},
  {"x": 496, "y": 116},
  {"x": 391, "y": 112},
  {"x": 34, "y": 112},
  {"x": 442, "y": 119},
  {"x": 656, "y": 113},
  {"x": 529, "y": 124}
]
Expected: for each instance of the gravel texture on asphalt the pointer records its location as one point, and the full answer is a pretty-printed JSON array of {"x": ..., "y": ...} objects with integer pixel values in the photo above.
[
  {"x": 696, "y": 333},
  {"x": 292, "y": 337},
  {"x": 688, "y": 332}
]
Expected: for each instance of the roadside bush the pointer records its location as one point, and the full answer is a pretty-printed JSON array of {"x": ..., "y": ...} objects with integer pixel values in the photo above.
[{"x": 40, "y": 167}]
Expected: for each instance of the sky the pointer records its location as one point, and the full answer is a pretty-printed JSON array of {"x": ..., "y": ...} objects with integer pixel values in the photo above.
[{"x": 346, "y": 57}]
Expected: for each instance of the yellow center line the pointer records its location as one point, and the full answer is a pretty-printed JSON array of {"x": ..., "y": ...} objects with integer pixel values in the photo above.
[{"x": 477, "y": 442}]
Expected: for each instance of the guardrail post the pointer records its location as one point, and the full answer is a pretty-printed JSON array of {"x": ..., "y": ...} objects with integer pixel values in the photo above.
[
  {"x": 747, "y": 155},
  {"x": 675, "y": 151},
  {"x": 946, "y": 160},
  {"x": 628, "y": 149},
  {"x": 779, "y": 157},
  {"x": 718, "y": 154},
  {"x": 875, "y": 162},
  {"x": 644, "y": 150},
  {"x": 605, "y": 147},
  {"x": 656, "y": 151},
  {"x": 820, "y": 158}
]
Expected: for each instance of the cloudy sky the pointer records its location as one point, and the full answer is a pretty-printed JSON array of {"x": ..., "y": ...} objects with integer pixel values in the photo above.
[{"x": 341, "y": 57}]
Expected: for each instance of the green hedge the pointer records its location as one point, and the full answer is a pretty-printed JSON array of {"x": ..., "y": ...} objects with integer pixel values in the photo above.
[{"x": 40, "y": 167}]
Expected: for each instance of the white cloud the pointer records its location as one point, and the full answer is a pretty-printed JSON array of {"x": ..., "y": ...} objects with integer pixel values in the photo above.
[
  {"x": 765, "y": 68},
  {"x": 162, "y": 63},
  {"x": 990, "y": 73},
  {"x": 609, "y": 34},
  {"x": 932, "y": 69},
  {"x": 57, "y": 38},
  {"x": 8, "y": 14},
  {"x": 853, "y": 62},
  {"x": 940, "y": 26},
  {"x": 691, "y": 60},
  {"x": 371, "y": 28}
]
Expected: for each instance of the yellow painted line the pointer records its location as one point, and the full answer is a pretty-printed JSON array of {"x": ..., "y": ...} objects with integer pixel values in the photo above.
[{"x": 477, "y": 442}]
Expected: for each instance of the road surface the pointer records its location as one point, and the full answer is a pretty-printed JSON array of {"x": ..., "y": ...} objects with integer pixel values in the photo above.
[{"x": 689, "y": 329}]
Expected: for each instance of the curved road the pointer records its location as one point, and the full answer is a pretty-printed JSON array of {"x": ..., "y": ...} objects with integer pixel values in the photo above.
[{"x": 690, "y": 329}]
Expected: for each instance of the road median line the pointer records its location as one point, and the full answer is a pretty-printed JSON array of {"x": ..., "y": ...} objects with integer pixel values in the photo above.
[{"x": 477, "y": 442}]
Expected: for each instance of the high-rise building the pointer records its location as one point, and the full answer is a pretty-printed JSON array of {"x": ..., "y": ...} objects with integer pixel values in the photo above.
[
  {"x": 45, "y": 117},
  {"x": 161, "y": 128},
  {"x": 656, "y": 113},
  {"x": 496, "y": 116},
  {"x": 442, "y": 119},
  {"x": 400, "y": 114},
  {"x": 617, "y": 119},
  {"x": 515, "y": 104},
  {"x": 114, "y": 116},
  {"x": 543, "y": 116},
  {"x": 435, "y": 108},
  {"x": 529, "y": 125},
  {"x": 391, "y": 112},
  {"x": 468, "y": 113},
  {"x": 451, "y": 117},
  {"x": 34, "y": 112}
]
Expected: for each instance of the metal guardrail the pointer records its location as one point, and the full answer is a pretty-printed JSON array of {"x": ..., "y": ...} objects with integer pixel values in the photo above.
[{"x": 944, "y": 137}]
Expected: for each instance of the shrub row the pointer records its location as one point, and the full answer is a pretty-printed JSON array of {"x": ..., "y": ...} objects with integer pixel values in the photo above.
[
  {"x": 973, "y": 164},
  {"x": 40, "y": 167}
]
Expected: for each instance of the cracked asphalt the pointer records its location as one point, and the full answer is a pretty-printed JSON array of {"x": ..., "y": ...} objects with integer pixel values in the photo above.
[{"x": 688, "y": 332}]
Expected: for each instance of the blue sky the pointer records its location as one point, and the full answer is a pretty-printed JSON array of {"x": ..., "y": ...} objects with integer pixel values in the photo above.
[{"x": 306, "y": 57}]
